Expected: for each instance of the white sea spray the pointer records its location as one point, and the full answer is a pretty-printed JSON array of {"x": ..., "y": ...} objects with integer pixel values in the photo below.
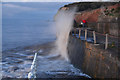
[{"x": 63, "y": 25}]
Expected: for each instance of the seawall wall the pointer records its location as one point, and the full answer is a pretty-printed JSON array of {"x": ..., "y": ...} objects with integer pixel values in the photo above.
[{"x": 93, "y": 60}]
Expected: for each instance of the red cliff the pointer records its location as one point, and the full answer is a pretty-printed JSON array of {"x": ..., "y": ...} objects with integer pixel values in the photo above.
[{"x": 92, "y": 16}]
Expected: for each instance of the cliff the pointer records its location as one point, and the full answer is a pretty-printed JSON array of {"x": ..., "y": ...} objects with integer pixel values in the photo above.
[
  {"x": 94, "y": 15},
  {"x": 92, "y": 11},
  {"x": 101, "y": 17}
]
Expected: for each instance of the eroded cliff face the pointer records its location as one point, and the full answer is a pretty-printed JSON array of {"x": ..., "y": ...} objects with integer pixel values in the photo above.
[{"x": 94, "y": 15}]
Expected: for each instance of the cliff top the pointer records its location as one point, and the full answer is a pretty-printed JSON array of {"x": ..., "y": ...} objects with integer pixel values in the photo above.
[
  {"x": 82, "y": 6},
  {"x": 92, "y": 11}
]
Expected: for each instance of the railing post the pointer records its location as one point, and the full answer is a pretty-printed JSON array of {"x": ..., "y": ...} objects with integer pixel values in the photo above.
[
  {"x": 94, "y": 37},
  {"x": 85, "y": 34},
  {"x": 106, "y": 42},
  {"x": 79, "y": 32},
  {"x": 74, "y": 31}
]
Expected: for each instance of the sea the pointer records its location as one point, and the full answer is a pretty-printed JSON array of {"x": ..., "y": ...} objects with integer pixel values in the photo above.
[{"x": 27, "y": 29}]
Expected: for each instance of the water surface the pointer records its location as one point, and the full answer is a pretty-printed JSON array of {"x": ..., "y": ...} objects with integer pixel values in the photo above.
[{"x": 26, "y": 29}]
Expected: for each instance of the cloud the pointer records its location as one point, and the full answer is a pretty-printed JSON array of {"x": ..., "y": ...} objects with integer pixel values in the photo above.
[
  {"x": 10, "y": 9},
  {"x": 18, "y": 7}
]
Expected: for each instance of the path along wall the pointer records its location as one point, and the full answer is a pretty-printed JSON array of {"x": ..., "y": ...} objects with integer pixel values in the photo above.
[{"x": 92, "y": 60}]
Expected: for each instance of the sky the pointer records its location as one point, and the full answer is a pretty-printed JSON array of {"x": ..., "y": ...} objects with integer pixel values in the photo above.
[
  {"x": 28, "y": 10},
  {"x": 14, "y": 8},
  {"x": 11, "y": 9},
  {"x": 53, "y": 0}
]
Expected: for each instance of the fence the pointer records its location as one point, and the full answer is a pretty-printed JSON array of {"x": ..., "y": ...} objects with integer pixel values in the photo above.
[{"x": 95, "y": 36}]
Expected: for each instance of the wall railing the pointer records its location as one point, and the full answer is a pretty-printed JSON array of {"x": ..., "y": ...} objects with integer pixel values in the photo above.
[{"x": 87, "y": 31}]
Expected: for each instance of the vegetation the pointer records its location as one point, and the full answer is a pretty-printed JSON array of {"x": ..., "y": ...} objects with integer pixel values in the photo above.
[
  {"x": 82, "y": 6},
  {"x": 112, "y": 12},
  {"x": 112, "y": 45}
]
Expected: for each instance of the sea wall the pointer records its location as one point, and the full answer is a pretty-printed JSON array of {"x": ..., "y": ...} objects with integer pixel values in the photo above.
[
  {"x": 112, "y": 28},
  {"x": 93, "y": 60}
]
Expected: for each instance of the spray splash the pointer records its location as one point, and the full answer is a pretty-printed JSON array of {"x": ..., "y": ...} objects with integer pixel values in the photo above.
[{"x": 64, "y": 22}]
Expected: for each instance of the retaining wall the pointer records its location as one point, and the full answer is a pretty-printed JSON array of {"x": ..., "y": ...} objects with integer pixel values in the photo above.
[
  {"x": 92, "y": 60},
  {"x": 105, "y": 27}
]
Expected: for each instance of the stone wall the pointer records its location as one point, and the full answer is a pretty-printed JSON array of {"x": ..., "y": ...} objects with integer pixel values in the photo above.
[
  {"x": 93, "y": 60},
  {"x": 105, "y": 27}
]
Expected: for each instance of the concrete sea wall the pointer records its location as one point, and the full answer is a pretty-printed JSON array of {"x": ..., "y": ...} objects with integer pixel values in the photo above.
[{"x": 93, "y": 60}]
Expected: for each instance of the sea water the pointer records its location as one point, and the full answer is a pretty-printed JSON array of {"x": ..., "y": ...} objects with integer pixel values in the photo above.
[{"x": 26, "y": 29}]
